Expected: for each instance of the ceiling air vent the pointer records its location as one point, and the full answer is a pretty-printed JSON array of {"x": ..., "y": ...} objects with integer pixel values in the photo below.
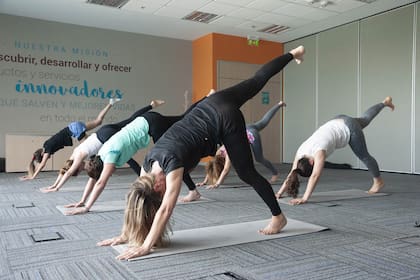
[
  {"x": 273, "y": 29},
  {"x": 201, "y": 17},
  {"x": 109, "y": 3}
]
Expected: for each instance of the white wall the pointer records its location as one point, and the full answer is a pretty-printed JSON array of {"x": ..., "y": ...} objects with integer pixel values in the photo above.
[
  {"x": 156, "y": 68},
  {"x": 350, "y": 68}
]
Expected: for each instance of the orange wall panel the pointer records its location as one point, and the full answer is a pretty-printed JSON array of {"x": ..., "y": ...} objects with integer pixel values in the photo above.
[{"x": 208, "y": 49}]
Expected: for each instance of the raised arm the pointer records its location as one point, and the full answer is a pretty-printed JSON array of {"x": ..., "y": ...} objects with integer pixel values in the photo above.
[
  {"x": 52, "y": 187},
  {"x": 99, "y": 186},
  {"x": 88, "y": 189},
  {"x": 78, "y": 158},
  {"x": 173, "y": 187},
  {"x": 38, "y": 169},
  {"x": 206, "y": 179},
  {"x": 319, "y": 160}
]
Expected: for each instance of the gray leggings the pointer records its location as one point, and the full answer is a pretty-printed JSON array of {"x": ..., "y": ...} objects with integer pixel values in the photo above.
[
  {"x": 256, "y": 146},
  {"x": 357, "y": 138}
]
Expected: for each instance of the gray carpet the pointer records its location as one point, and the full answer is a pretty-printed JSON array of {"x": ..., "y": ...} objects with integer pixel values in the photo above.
[{"x": 373, "y": 238}]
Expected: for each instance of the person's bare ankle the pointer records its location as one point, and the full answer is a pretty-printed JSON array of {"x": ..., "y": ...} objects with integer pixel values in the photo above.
[
  {"x": 388, "y": 103},
  {"x": 191, "y": 196},
  {"x": 298, "y": 54},
  {"x": 274, "y": 178},
  {"x": 276, "y": 224},
  {"x": 378, "y": 184}
]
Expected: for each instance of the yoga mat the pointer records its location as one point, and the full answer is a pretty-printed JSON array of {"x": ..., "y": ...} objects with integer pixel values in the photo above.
[
  {"x": 335, "y": 195},
  {"x": 224, "y": 235},
  {"x": 117, "y": 205},
  {"x": 81, "y": 188}
]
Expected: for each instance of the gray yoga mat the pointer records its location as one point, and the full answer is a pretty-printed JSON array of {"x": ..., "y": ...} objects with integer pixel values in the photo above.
[
  {"x": 81, "y": 188},
  {"x": 336, "y": 195},
  {"x": 224, "y": 235},
  {"x": 117, "y": 205}
]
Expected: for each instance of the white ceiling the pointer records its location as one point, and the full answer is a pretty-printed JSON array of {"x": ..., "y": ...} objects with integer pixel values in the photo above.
[{"x": 163, "y": 18}]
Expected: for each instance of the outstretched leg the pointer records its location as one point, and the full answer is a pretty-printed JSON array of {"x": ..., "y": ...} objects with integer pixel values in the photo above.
[
  {"x": 358, "y": 142},
  {"x": 358, "y": 145},
  {"x": 261, "y": 124},
  {"x": 373, "y": 111},
  {"x": 257, "y": 149},
  {"x": 98, "y": 121},
  {"x": 238, "y": 94}
]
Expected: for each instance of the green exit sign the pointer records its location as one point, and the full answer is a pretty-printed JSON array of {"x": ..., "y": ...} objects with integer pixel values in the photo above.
[{"x": 265, "y": 97}]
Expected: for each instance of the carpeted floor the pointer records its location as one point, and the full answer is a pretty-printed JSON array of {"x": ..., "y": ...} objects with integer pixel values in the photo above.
[{"x": 369, "y": 238}]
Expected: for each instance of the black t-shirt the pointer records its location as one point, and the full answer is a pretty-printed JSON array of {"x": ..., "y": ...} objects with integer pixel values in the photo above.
[
  {"x": 58, "y": 141},
  {"x": 187, "y": 141}
]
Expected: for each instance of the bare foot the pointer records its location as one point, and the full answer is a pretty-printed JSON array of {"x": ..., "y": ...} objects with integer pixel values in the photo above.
[
  {"x": 388, "y": 102},
  {"x": 376, "y": 188},
  {"x": 276, "y": 224},
  {"x": 274, "y": 178},
  {"x": 191, "y": 196},
  {"x": 298, "y": 54},
  {"x": 211, "y": 92}
]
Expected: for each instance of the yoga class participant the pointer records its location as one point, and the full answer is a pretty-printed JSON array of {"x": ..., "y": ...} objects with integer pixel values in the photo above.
[
  {"x": 216, "y": 120},
  {"x": 219, "y": 166},
  {"x": 118, "y": 149},
  {"x": 334, "y": 134},
  {"x": 91, "y": 146},
  {"x": 62, "y": 139}
]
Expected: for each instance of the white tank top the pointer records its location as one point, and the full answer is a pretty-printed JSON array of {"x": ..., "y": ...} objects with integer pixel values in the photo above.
[
  {"x": 90, "y": 146},
  {"x": 332, "y": 135}
]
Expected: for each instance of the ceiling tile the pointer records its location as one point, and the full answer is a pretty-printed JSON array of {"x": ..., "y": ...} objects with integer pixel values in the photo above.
[
  {"x": 344, "y": 5},
  {"x": 266, "y": 5},
  {"x": 241, "y": 3},
  {"x": 218, "y": 8},
  {"x": 298, "y": 22},
  {"x": 275, "y": 18},
  {"x": 173, "y": 12},
  {"x": 253, "y": 25},
  {"x": 189, "y": 4},
  {"x": 228, "y": 21},
  {"x": 246, "y": 13},
  {"x": 294, "y": 10},
  {"x": 143, "y": 6},
  {"x": 320, "y": 14}
]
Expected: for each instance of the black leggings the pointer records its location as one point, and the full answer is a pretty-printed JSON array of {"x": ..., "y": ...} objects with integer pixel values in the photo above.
[
  {"x": 106, "y": 131},
  {"x": 233, "y": 133}
]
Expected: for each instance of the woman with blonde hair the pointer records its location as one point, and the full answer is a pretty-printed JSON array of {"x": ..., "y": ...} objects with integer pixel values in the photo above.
[
  {"x": 334, "y": 134},
  {"x": 91, "y": 146},
  {"x": 216, "y": 120},
  {"x": 63, "y": 138},
  {"x": 142, "y": 205},
  {"x": 218, "y": 167}
]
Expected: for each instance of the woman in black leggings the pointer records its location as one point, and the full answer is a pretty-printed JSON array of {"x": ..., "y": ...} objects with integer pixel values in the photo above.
[{"x": 216, "y": 120}]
